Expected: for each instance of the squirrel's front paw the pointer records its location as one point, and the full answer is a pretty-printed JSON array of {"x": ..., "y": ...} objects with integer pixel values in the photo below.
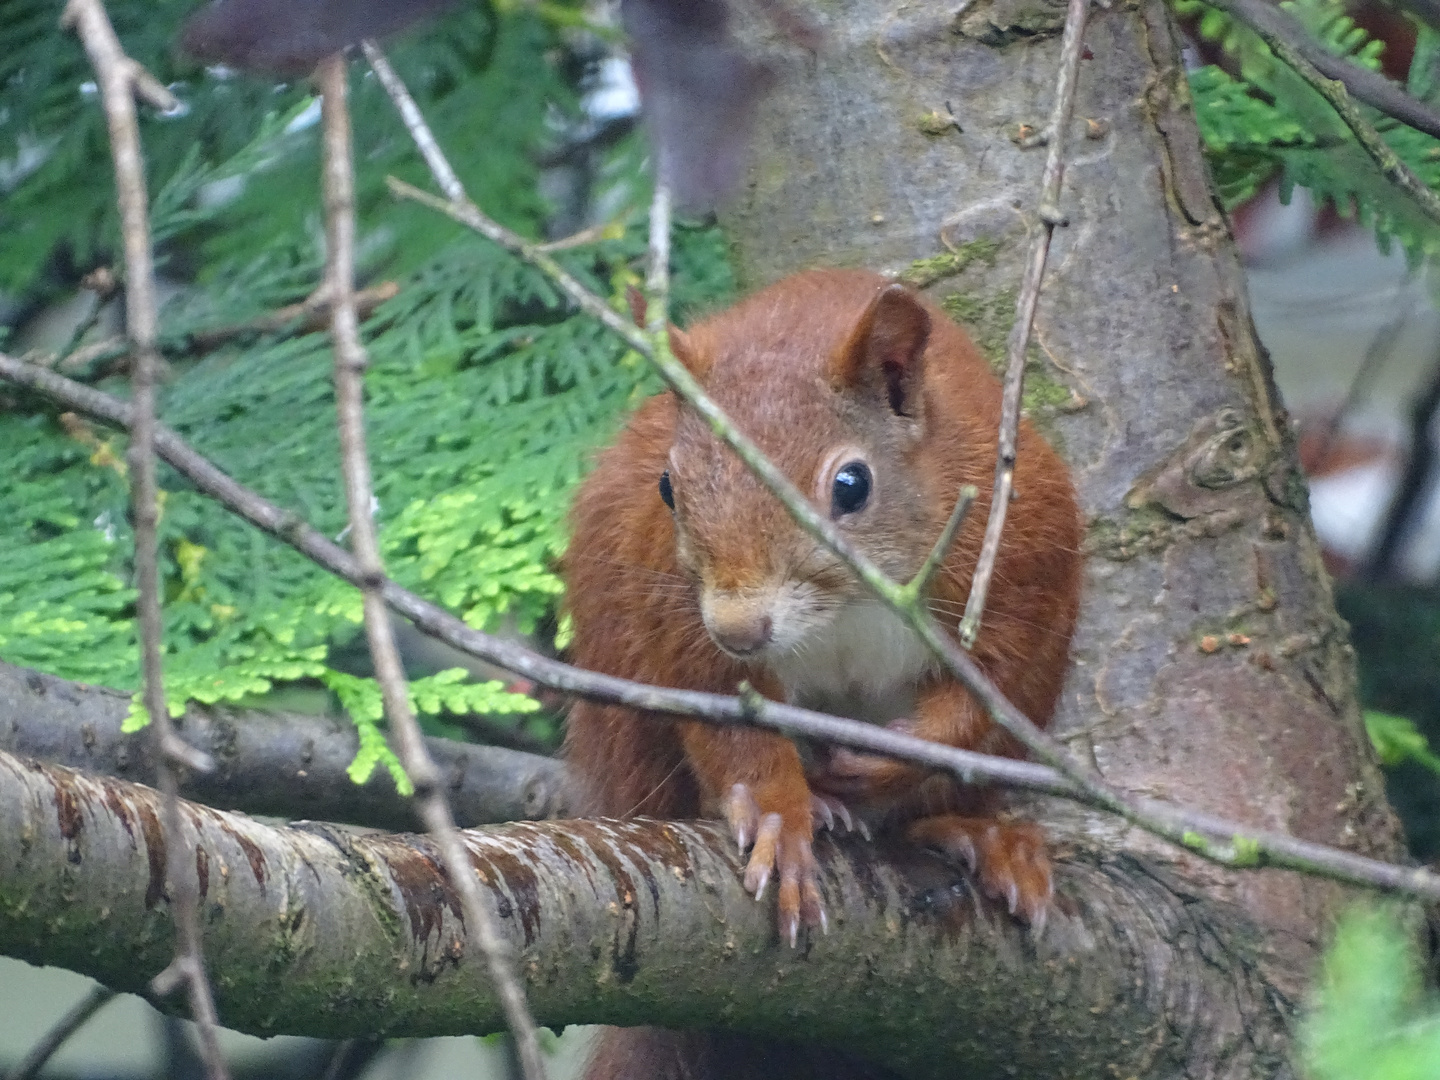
[
  {"x": 1009, "y": 857},
  {"x": 779, "y": 844}
]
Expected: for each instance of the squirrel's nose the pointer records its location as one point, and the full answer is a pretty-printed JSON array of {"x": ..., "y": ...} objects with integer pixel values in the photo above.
[{"x": 740, "y": 626}]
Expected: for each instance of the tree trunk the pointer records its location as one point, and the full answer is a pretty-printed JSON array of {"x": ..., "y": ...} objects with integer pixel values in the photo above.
[{"x": 1210, "y": 667}]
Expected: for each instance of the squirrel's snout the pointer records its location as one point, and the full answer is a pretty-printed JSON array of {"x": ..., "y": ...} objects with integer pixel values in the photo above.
[{"x": 742, "y": 626}]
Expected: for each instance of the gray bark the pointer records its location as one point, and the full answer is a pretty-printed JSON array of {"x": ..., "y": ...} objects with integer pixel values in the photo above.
[
  {"x": 321, "y": 931},
  {"x": 289, "y": 765},
  {"x": 1210, "y": 667}
]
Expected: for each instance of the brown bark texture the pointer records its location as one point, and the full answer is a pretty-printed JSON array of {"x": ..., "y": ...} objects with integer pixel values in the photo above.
[
  {"x": 290, "y": 765},
  {"x": 318, "y": 930},
  {"x": 1209, "y": 666}
]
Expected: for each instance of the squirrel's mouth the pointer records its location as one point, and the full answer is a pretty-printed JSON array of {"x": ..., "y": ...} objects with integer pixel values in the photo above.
[{"x": 759, "y": 623}]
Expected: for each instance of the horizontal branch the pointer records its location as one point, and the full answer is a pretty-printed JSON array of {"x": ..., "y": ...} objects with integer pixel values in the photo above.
[
  {"x": 289, "y": 765},
  {"x": 1215, "y": 838},
  {"x": 322, "y": 932}
]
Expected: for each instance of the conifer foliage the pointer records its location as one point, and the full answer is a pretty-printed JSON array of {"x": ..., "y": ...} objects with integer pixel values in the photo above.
[
  {"x": 486, "y": 395},
  {"x": 1261, "y": 120}
]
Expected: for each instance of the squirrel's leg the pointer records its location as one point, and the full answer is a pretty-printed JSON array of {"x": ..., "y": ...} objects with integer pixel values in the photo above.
[
  {"x": 756, "y": 778},
  {"x": 944, "y": 713},
  {"x": 1009, "y": 857}
]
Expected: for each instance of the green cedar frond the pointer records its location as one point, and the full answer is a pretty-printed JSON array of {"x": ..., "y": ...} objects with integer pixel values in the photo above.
[{"x": 1269, "y": 122}]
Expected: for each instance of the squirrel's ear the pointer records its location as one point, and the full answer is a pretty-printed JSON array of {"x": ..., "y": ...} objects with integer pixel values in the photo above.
[
  {"x": 684, "y": 350},
  {"x": 885, "y": 353},
  {"x": 681, "y": 347}
]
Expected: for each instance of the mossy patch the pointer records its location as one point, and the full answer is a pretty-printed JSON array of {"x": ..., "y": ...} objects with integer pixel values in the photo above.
[
  {"x": 924, "y": 272},
  {"x": 936, "y": 123},
  {"x": 988, "y": 318},
  {"x": 1043, "y": 393},
  {"x": 1141, "y": 532}
]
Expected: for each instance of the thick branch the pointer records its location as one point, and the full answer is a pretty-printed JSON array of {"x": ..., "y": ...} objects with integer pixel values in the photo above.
[
  {"x": 1213, "y": 837},
  {"x": 288, "y": 765},
  {"x": 319, "y": 931}
]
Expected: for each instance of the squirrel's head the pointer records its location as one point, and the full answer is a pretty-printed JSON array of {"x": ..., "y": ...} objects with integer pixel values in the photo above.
[{"x": 827, "y": 375}]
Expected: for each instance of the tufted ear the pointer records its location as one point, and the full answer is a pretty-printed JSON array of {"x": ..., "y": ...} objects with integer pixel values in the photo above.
[
  {"x": 681, "y": 346},
  {"x": 884, "y": 355}
]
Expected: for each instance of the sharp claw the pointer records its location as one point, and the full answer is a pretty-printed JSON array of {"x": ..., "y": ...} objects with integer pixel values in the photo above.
[
  {"x": 1037, "y": 920},
  {"x": 1012, "y": 894},
  {"x": 762, "y": 879},
  {"x": 843, "y": 813},
  {"x": 792, "y": 924},
  {"x": 824, "y": 922},
  {"x": 863, "y": 828},
  {"x": 820, "y": 808},
  {"x": 967, "y": 852},
  {"x": 743, "y": 816}
]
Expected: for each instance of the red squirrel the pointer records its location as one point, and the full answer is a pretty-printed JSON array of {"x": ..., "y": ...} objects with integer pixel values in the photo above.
[{"x": 684, "y": 571}]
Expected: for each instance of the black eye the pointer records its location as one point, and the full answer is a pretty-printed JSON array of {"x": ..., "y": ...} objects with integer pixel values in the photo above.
[
  {"x": 851, "y": 489},
  {"x": 667, "y": 493}
]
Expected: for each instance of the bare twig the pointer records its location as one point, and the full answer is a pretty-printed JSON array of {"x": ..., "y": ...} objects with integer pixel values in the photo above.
[
  {"x": 921, "y": 581},
  {"x": 118, "y": 77},
  {"x": 1277, "y": 35},
  {"x": 350, "y": 363},
  {"x": 1374, "y": 89},
  {"x": 419, "y": 130},
  {"x": 657, "y": 280},
  {"x": 79, "y": 1014},
  {"x": 306, "y": 317},
  {"x": 1070, "y": 49},
  {"x": 588, "y": 235},
  {"x": 1215, "y": 838}
]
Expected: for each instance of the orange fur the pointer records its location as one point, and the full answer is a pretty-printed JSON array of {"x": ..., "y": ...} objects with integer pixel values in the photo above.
[{"x": 824, "y": 367}]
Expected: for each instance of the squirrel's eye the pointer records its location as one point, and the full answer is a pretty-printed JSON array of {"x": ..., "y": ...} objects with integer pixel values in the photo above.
[
  {"x": 851, "y": 489},
  {"x": 667, "y": 493}
]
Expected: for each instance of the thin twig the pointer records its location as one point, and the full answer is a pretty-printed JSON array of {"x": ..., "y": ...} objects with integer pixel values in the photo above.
[
  {"x": 350, "y": 363},
  {"x": 920, "y": 583},
  {"x": 1275, "y": 35},
  {"x": 79, "y": 1014},
  {"x": 1215, "y": 838},
  {"x": 657, "y": 279},
  {"x": 306, "y": 317},
  {"x": 435, "y": 158},
  {"x": 118, "y": 77},
  {"x": 1072, "y": 45},
  {"x": 1374, "y": 89}
]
